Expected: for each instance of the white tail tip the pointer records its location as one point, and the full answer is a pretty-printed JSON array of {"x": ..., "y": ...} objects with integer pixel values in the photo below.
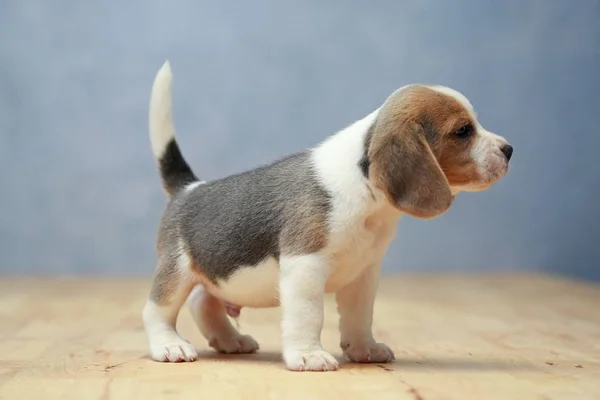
[
  {"x": 165, "y": 70},
  {"x": 162, "y": 129}
]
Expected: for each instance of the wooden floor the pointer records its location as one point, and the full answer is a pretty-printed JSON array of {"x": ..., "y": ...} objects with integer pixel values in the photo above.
[{"x": 481, "y": 338}]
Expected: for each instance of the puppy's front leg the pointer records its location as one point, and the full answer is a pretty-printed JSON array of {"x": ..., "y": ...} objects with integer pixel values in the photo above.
[
  {"x": 355, "y": 306},
  {"x": 301, "y": 291}
]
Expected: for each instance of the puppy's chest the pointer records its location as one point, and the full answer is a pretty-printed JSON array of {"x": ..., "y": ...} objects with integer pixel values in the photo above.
[{"x": 361, "y": 245}]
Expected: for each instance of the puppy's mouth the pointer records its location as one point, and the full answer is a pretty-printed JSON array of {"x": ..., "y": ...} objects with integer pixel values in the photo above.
[
  {"x": 493, "y": 171},
  {"x": 487, "y": 178}
]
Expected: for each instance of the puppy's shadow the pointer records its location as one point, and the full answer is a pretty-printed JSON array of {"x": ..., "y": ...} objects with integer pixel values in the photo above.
[
  {"x": 260, "y": 356},
  {"x": 400, "y": 364}
]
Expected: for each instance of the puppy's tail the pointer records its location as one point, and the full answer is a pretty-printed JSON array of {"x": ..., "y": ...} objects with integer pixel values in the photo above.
[{"x": 174, "y": 170}]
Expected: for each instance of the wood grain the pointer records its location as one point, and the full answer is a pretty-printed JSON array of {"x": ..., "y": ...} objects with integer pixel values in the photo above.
[{"x": 455, "y": 337}]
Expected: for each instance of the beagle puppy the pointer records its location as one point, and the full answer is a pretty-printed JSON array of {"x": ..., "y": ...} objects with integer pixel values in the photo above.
[{"x": 315, "y": 222}]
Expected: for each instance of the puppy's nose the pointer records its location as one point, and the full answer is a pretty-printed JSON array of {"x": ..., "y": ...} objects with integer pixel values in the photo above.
[{"x": 507, "y": 150}]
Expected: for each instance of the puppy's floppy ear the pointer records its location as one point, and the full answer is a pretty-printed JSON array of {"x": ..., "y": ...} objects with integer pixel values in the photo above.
[{"x": 404, "y": 167}]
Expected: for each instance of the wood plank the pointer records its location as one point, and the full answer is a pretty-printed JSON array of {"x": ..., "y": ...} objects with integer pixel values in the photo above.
[{"x": 455, "y": 337}]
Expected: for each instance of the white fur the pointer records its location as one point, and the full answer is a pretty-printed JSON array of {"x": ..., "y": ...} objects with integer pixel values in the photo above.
[
  {"x": 353, "y": 244},
  {"x": 162, "y": 129},
  {"x": 251, "y": 286},
  {"x": 456, "y": 95},
  {"x": 301, "y": 292},
  {"x": 165, "y": 342},
  {"x": 188, "y": 188},
  {"x": 488, "y": 155}
]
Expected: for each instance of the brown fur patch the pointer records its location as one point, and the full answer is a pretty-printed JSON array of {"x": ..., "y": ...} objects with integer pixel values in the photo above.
[
  {"x": 197, "y": 276},
  {"x": 167, "y": 278},
  {"x": 459, "y": 168},
  {"x": 414, "y": 153},
  {"x": 305, "y": 231}
]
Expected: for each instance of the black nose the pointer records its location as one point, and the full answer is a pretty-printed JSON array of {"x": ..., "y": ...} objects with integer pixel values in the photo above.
[{"x": 507, "y": 150}]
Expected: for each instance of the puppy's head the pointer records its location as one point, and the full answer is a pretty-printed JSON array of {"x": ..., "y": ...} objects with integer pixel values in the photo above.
[{"x": 426, "y": 145}]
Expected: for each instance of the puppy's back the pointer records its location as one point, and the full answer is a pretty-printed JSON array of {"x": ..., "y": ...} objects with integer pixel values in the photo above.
[{"x": 241, "y": 220}]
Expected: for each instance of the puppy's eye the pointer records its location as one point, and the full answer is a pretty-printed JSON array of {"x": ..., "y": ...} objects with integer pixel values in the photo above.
[{"x": 465, "y": 131}]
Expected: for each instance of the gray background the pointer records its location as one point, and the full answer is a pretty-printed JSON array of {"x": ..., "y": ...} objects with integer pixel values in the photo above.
[{"x": 257, "y": 80}]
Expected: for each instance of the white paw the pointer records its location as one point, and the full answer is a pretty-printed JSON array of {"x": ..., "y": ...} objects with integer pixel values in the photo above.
[
  {"x": 368, "y": 352},
  {"x": 316, "y": 360},
  {"x": 174, "y": 349},
  {"x": 240, "y": 344}
]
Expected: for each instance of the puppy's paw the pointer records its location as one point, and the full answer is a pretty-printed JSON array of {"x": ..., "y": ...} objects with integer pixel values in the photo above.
[
  {"x": 172, "y": 349},
  {"x": 315, "y": 360},
  {"x": 368, "y": 352},
  {"x": 241, "y": 344}
]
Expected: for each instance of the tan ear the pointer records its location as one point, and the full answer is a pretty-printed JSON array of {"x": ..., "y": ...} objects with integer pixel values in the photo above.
[{"x": 404, "y": 168}]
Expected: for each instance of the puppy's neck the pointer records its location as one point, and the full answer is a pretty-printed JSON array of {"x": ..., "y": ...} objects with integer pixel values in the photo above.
[
  {"x": 348, "y": 144},
  {"x": 338, "y": 160}
]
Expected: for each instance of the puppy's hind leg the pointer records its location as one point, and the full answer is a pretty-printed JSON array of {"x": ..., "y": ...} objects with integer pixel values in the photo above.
[
  {"x": 171, "y": 286},
  {"x": 211, "y": 317}
]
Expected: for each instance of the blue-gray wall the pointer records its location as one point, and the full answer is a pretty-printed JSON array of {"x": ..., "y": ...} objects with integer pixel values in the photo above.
[{"x": 256, "y": 80}]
